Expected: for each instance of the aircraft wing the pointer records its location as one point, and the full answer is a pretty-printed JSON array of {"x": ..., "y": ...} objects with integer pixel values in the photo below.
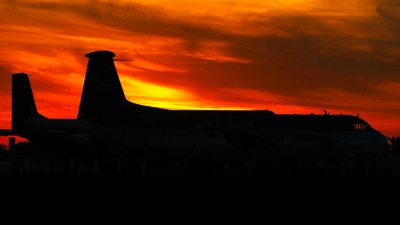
[
  {"x": 246, "y": 140},
  {"x": 239, "y": 136}
]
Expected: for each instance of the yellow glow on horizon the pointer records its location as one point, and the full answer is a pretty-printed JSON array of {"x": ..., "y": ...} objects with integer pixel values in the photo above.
[{"x": 153, "y": 95}]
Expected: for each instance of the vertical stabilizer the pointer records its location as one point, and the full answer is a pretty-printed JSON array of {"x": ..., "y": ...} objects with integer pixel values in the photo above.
[
  {"x": 23, "y": 103},
  {"x": 102, "y": 88}
]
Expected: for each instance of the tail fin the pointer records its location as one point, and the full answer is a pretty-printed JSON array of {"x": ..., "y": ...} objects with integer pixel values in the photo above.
[
  {"x": 103, "y": 99},
  {"x": 23, "y": 103},
  {"x": 102, "y": 88}
]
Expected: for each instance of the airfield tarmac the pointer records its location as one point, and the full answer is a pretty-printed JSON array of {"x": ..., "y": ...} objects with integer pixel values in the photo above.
[
  {"x": 13, "y": 165},
  {"x": 116, "y": 185}
]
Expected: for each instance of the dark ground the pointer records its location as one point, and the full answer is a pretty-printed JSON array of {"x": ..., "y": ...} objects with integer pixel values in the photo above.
[{"x": 32, "y": 182}]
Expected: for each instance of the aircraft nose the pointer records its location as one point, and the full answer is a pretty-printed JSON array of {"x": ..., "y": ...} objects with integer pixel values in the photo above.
[{"x": 389, "y": 145}]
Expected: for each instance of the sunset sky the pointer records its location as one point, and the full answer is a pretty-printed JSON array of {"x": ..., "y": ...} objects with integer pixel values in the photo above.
[{"x": 293, "y": 56}]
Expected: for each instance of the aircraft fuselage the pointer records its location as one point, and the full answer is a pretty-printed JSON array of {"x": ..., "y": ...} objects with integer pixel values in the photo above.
[{"x": 243, "y": 132}]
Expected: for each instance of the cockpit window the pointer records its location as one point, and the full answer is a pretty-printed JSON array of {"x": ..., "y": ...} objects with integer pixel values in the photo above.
[{"x": 361, "y": 126}]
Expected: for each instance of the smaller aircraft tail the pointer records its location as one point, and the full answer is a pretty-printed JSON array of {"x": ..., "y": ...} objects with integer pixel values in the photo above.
[{"x": 23, "y": 103}]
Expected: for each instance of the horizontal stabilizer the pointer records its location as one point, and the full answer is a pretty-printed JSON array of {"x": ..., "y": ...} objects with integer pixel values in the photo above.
[
  {"x": 67, "y": 126},
  {"x": 4, "y": 132}
]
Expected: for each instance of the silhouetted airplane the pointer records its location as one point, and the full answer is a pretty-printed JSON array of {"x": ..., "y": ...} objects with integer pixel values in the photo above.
[{"x": 105, "y": 116}]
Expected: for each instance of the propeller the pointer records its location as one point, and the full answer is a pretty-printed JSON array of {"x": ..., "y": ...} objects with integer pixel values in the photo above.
[{"x": 122, "y": 59}]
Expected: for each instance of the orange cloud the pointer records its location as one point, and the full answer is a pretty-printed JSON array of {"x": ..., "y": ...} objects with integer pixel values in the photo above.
[{"x": 288, "y": 56}]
